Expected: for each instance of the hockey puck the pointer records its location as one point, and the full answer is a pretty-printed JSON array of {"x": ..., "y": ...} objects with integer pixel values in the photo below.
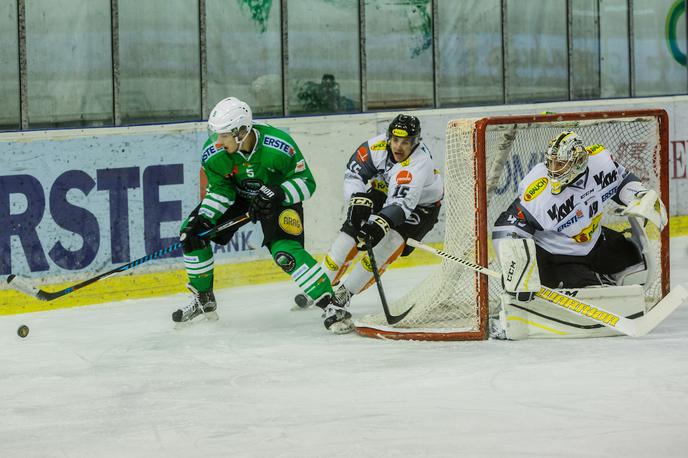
[{"x": 23, "y": 331}]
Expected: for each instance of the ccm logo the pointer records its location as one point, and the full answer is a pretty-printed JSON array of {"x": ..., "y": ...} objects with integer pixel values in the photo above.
[{"x": 510, "y": 272}]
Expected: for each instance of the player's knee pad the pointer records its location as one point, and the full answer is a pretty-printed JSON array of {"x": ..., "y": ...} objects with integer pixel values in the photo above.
[
  {"x": 339, "y": 257},
  {"x": 386, "y": 252}
]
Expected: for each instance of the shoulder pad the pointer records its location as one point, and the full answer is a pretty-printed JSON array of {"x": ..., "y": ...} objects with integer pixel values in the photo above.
[
  {"x": 594, "y": 149},
  {"x": 379, "y": 145},
  {"x": 535, "y": 188},
  {"x": 362, "y": 153}
]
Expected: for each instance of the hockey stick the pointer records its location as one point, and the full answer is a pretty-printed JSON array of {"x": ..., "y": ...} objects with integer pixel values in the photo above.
[
  {"x": 391, "y": 319},
  {"x": 25, "y": 287},
  {"x": 635, "y": 328}
]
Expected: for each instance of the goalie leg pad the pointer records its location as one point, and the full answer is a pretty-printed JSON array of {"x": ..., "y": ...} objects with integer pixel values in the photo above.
[
  {"x": 540, "y": 319},
  {"x": 519, "y": 265}
]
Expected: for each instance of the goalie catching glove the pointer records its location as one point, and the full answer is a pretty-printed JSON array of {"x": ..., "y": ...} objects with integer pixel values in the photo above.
[
  {"x": 266, "y": 203},
  {"x": 520, "y": 275},
  {"x": 649, "y": 206},
  {"x": 372, "y": 232}
]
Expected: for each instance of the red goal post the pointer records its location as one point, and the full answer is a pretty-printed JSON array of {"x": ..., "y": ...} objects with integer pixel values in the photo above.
[{"x": 485, "y": 158}]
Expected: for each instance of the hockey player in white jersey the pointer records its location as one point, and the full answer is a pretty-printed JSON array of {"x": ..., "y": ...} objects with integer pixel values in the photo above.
[
  {"x": 393, "y": 191},
  {"x": 560, "y": 206}
]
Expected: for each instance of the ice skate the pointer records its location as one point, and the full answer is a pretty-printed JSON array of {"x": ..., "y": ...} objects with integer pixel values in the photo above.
[
  {"x": 201, "y": 305},
  {"x": 337, "y": 317}
]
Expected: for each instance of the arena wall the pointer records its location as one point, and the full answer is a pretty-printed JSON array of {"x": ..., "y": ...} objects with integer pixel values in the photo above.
[{"x": 74, "y": 203}]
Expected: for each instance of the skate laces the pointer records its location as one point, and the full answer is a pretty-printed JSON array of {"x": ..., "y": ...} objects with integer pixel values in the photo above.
[
  {"x": 342, "y": 296},
  {"x": 191, "y": 306}
]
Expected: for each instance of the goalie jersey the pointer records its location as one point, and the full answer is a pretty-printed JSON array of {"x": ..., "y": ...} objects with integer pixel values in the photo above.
[
  {"x": 408, "y": 184},
  {"x": 568, "y": 223}
]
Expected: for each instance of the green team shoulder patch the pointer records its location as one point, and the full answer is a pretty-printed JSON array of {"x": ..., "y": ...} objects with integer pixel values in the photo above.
[{"x": 278, "y": 144}]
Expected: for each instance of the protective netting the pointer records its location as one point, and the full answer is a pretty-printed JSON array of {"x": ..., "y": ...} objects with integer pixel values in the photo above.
[{"x": 449, "y": 301}]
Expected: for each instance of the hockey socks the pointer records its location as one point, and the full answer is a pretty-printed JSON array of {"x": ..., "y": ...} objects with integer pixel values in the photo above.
[
  {"x": 199, "y": 268},
  {"x": 308, "y": 275}
]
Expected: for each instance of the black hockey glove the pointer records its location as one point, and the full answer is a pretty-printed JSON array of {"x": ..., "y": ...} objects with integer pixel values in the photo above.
[
  {"x": 189, "y": 235},
  {"x": 372, "y": 232},
  {"x": 266, "y": 203},
  {"x": 360, "y": 208}
]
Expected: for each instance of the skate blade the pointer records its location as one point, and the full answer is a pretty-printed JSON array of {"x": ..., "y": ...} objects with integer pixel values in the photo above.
[
  {"x": 296, "y": 307},
  {"x": 342, "y": 327},
  {"x": 208, "y": 316}
]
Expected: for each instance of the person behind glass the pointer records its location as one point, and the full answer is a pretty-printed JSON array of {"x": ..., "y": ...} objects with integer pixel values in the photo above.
[
  {"x": 259, "y": 169},
  {"x": 393, "y": 191}
]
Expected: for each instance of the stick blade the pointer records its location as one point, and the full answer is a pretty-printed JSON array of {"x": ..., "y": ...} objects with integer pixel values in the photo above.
[
  {"x": 20, "y": 284},
  {"x": 663, "y": 309}
]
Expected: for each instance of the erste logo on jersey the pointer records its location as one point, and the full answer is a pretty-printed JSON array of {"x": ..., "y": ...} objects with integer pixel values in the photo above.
[
  {"x": 280, "y": 145},
  {"x": 535, "y": 188},
  {"x": 209, "y": 151},
  {"x": 362, "y": 154},
  {"x": 404, "y": 177}
]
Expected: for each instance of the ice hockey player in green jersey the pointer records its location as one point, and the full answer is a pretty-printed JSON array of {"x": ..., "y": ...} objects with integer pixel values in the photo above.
[{"x": 254, "y": 168}]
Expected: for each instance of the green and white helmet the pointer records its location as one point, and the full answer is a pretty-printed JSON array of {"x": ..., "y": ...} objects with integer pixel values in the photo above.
[
  {"x": 566, "y": 158},
  {"x": 230, "y": 115}
]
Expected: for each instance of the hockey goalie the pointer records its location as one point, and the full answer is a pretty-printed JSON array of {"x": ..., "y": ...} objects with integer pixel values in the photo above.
[{"x": 552, "y": 235}]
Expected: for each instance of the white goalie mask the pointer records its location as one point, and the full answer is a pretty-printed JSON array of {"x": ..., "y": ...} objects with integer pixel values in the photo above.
[
  {"x": 566, "y": 158},
  {"x": 231, "y": 115}
]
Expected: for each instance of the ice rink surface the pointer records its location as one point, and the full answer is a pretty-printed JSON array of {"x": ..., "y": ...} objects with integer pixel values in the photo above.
[{"x": 117, "y": 380}]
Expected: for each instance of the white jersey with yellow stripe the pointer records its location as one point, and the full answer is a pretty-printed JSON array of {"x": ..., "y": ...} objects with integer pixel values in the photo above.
[
  {"x": 568, "y": 223},
  {"x": 410, "y": 183}
]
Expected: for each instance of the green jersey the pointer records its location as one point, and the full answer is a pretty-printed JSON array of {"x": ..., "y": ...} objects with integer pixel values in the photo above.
[{"x": 274, "y": 161}]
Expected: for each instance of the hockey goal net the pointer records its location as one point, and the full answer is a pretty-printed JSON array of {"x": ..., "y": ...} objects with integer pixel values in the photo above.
[{"x": 485, "y": 160}]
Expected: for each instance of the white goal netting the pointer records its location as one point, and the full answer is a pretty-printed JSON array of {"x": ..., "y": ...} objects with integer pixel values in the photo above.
[{"x": 453, "y": 302}]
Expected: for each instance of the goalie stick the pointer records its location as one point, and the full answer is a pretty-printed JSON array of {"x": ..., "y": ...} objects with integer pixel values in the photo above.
[
  {"x": 25, "y": 287},
  {"x": 391, "y": 319},
  {"x": 635, "y": 328}
]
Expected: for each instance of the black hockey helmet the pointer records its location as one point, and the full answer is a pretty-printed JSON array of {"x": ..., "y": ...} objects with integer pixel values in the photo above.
[{"x": 405, "y": 126}]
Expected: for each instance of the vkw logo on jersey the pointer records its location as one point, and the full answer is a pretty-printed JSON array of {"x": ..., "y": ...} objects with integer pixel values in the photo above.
[
  {"x": 535, "y": 188},
  {"x": 561, "y": 211},
  {"x": 605, "y": 179},
  {"x": 280, "y": 145}
]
